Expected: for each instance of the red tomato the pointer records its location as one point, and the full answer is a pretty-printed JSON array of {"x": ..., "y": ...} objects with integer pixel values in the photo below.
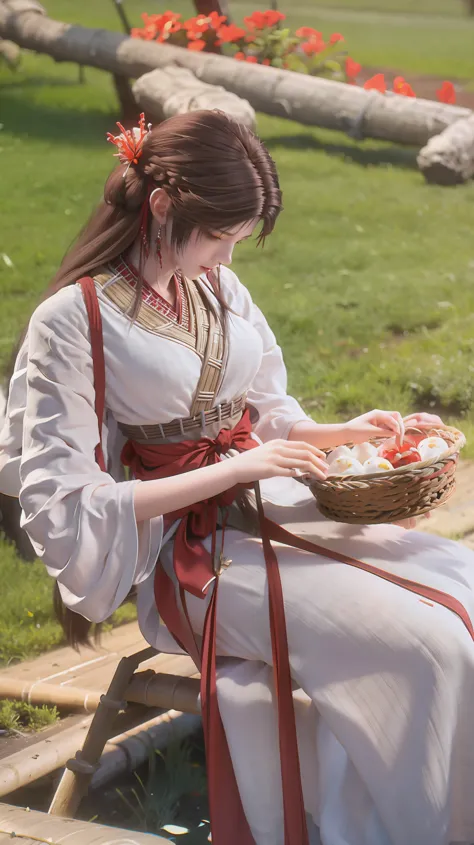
[{"x": 399, "y": 456}]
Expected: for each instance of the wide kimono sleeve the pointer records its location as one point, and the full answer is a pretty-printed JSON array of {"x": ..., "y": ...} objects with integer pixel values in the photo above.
[
  {"x": 11, "y": 432},
  {"x": 80, "y": 520},
  {"x": 275, "y": 411}
]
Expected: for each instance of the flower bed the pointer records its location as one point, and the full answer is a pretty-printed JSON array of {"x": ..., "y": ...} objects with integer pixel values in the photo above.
[{"x": 264, "y": 40}]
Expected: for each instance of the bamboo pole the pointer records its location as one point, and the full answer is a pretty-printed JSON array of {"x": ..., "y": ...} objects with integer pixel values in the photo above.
[
  {"x": 307, "y": 99},
  {"x": 131, "y": 734},
  {"x": 127, "y": 751},
  {"x": 32, "y": 827},
  {"x": 169, "y": 692},
  {"x": 79, "y": 770},
  {"x": 54, "y": 747},
  {"x": 72, "y": 699}
]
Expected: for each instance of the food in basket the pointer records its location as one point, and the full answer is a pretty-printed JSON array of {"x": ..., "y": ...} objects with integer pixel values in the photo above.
[
  {"x": 391, "y": 495},
  {"x": 377, "y": 464},
  {"x": 339, "y": 452},
  {"x": 400, "y": 454},
  {"x": 431, "y": 447},
  {"x": 363, "y": 451},
  {"x": 345, "y": 465}
]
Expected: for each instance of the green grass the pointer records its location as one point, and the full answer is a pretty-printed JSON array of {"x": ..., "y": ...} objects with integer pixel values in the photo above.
[
  {"x": 18, "y": 716},
  {"x": 27, "y": 626},
  {"x": 368, "y": 281},
  {"x": 440, "y": 8}
]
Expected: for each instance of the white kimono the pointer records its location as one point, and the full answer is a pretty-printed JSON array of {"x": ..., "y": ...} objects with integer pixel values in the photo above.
[{"x": 385, "y": 680}]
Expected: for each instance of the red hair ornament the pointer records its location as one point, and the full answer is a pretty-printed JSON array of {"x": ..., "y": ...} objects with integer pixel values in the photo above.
[{"x": 130, "y": 141}]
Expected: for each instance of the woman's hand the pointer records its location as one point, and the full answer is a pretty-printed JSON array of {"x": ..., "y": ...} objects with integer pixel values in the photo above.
[
  {"x": 375, "y": 424},
  {"x": 423, "y": 421},
  {"x": 279, "y": 458}
]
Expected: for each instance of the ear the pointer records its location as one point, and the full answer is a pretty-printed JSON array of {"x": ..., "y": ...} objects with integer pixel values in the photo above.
[{"x": 160, "y": 204}]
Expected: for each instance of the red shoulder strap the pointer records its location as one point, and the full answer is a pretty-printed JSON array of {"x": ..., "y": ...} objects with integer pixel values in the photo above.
[{"x": 98, "y": 363}]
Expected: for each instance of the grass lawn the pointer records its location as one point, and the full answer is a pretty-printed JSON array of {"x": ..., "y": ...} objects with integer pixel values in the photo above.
[{"x": 368, "y": 282}]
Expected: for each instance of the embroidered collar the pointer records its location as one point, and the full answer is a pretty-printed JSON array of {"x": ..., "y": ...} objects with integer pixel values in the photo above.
[{"x": 151, "y": 297}]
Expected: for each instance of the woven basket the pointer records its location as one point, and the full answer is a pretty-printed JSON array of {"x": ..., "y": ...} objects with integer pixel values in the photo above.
[{"x": 395, "y": 494}]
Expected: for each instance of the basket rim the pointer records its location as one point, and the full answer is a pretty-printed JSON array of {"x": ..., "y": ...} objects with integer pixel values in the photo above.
[{"x": 389, "y": 473}]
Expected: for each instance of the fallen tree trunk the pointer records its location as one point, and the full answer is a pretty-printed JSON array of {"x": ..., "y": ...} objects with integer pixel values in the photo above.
[
  {"x": 307, "y": 99},
  {"x": 448, "y": 159},
  {"x": 175, "y": 90}
]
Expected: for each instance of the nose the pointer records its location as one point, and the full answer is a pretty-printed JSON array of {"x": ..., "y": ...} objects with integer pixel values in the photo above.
[{"x": 225, "y": 253}]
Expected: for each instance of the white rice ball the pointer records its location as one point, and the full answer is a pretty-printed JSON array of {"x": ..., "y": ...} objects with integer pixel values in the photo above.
[
  {"x": 432, "y": 447},
  {"x": 377, "y": 464},
  {"x": 345, "y": 466},
  {"x": 340, "y": 452},
  {"x": 363, "y": 451}
]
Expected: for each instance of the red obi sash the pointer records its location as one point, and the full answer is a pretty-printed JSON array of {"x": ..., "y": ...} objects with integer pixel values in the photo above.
[{"x": 195, "y": 571}]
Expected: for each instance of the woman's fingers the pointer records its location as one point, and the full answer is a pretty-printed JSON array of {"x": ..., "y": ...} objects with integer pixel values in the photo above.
[
  {"x": 304, "y": 457},
  {"x": 423, "y": 420},
  {"x": 301, "y": 444},
  {"x": 303, "y": 467},
  {"x": 387, "y": 422}
]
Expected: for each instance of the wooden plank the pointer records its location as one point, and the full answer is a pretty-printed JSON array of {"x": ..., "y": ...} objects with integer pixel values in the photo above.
[{"x": 32, "y": 827}]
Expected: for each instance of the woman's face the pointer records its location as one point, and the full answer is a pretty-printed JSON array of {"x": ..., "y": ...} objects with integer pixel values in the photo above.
[{"x": 205, "y": 251}]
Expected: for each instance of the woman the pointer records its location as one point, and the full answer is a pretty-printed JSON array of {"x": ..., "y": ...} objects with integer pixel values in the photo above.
[{"x": 196, "y": 407}]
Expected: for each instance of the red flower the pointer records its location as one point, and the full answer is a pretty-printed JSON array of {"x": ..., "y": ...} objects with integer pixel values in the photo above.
[
  {"x": 252, "y": 59},
  {"x": 308, "y": 32},
  {"x": 260, "y": 20},
  {"x": 228, "y": 34},
  {"x": 313, "y": 46},
  {"x": 446, "y": 94},
  {"x": 154, "y": 24},
  {"x": 352, "y": 69},
  {"x": 376, "y": 83},
  {"x": 199, "y": 44},
  {"x": 401, "y": 86},
  {"x": 172, "y": 26},
  {"x": 266, "y": 62},
  {"x": 240, "y": 56},
  {"x": 335, "y": 37}
]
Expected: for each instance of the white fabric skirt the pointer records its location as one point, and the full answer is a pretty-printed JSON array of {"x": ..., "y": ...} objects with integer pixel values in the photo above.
[{"x": 384, "y": 682}]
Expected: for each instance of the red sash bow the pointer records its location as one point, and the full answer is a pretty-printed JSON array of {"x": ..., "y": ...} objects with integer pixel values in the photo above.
[{"x": 195, "y": 571}]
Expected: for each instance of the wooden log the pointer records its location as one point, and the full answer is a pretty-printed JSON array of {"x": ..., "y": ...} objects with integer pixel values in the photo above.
[
  {"x": 448, "y": 158},
  {"x": 10, "y": 53},
  {"x": 175, "y": 90},
  {"x": 310, "y": 100},
  {"x": 30, "y": 827}
]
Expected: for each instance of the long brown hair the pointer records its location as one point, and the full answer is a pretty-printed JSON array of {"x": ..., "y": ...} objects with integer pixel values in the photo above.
[{"x": 218, "y": 175}]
